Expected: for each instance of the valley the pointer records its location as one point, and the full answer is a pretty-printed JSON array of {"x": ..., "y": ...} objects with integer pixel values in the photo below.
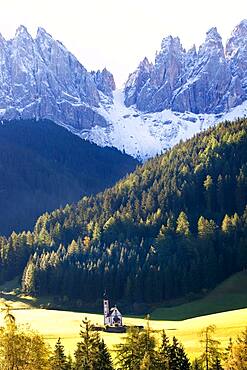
[
  {"x": 137, "y": 194},
  {"x": 53, "y": 324}
]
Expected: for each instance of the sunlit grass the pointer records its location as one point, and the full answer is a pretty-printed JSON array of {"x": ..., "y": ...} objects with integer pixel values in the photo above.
[{"x": 53, "y": 324}]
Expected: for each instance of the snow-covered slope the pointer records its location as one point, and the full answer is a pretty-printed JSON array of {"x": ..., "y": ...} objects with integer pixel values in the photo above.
[{"x": 144, "y": 135}]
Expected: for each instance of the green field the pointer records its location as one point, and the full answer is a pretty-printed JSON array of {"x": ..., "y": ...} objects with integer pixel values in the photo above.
[
  {"x": 229, "y": 295},
  {"x": 53, "y": 324},
  {"x": 65, "y": 324}
]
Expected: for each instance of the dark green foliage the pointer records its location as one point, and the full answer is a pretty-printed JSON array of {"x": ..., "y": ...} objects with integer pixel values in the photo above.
[
  {"x": 197, "y": 365},
  {"x": 164, "y": 351},
  {"x": 128, "y": 355},
  {"x": 177, "y": 357},
  {"x": 140, "y": 352},
  {"x": 217, "y": 365},
  {"x": 43, "y": 166},
  {"x": 104, "y": 361},
  {"x": 59, "y": 360},
  {"x": 91, "y": 352},
  {"x": 176, "y": 226}
]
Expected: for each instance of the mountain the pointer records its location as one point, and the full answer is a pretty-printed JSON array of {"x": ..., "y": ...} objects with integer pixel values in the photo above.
[
  {"x": 41, "y": 79},
  {"x": 180, "y": 94},
  {"x": 175, "y": 227},
  {"x": 43, "y": 167},
  {"x": 210, "y": 80}
]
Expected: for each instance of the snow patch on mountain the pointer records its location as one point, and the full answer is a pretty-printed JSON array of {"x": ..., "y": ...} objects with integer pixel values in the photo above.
[{"x": 143, "y": 135}]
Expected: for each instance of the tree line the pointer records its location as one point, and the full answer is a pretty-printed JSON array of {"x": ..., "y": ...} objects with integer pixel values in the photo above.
[{"x": 24, "y": 349}]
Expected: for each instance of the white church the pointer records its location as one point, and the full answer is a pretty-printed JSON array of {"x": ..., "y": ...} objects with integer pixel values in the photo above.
[{"x": 112, "y": 317}]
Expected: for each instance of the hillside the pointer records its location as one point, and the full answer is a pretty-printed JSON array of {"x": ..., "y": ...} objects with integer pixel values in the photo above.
[
  {"x": 227, "y": 296},
  {"x": 43, "y": 167},
  {"x": 174, "y": 228}
]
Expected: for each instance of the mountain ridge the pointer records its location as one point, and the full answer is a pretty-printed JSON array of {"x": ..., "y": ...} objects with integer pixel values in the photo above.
[
  {"x": 203, "y": 81},
  {"x": 182, "y": 93}
]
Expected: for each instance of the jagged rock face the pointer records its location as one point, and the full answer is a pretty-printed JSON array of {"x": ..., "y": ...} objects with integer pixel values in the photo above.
[
  {"x": 236, "y": 53},
  {"x": 210, "y": 81},
  {"x": 136, "y": 81},
  {"x": 157, "y": 92},
  {"x": 104, "y": 82},
  {"x": 40, "y": 78},
  {"x": 206, "y": 84}
]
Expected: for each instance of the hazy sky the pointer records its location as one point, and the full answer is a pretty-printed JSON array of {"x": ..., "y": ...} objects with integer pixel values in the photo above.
[{"x": 119, "y": 33}]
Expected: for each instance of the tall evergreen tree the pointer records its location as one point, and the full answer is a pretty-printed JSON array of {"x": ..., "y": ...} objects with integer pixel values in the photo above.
[
  {"x": 164, "y": 351},
  {"x": 103, "y": 359},
  {"x": 59, "y": 360},
  {"x": 177, "y": 357},
  {"x": 211, "y": 350},
  {"x": 86, "y": 354},
  {"x": 183, "y": 226}
]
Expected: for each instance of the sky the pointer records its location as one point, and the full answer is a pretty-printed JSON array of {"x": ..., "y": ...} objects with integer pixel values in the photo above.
[{"x": 118, "y": 34}]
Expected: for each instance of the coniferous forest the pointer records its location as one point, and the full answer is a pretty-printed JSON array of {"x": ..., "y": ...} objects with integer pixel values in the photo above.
[
  {"x": 176, "y": 226},
  {"x": 44, "y": 166}
]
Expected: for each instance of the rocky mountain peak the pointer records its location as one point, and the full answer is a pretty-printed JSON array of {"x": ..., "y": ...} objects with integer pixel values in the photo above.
[
  {"x": 170, "y": 43},
  {"x": 213, "y": 43},
  {"x": 104, "y": 81},
  {"x": 237, "y": 39},
  {"x": 145, "y": 65},
  {"x": 190, "y": 57},
  {"x": 41, "y": 32},
  {"x": 136, "y": 81},
  {"x": 207, "y": 81},
  {"x": 41, "y": 78},
  {"x": 241, "y": 29},
  {"x": 22, "y": 32}
]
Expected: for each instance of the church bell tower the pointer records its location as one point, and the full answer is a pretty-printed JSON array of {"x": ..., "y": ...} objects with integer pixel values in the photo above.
[{"x": 106, "y": 310}]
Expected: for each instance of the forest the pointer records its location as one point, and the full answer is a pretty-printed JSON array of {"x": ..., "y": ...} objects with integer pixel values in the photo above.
[
  {"x": 24, "y": 349},
  {"x": 175, "y": 227},
  {"x": 43, "y": 167}
]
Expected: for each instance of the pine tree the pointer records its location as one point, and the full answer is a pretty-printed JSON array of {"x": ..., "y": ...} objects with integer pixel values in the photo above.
[
  {"x": 87, "y": 350},
  {"x": 211, "y": 347},
  {"x": 59, "y": 360},
  {"x": 196, "y": 365},
  {"x": 164, "y": 351},
  {"x": 147, "y": 349},
  {"x": 183, "y": 226},
  {"x": 217, "y": 364},
  {"x": 205, "y": 228},
  {"x": 127, "y": 357},
  {"x": 228, "y": 356},
  {"x": 103, "y": 359},
  {"x": 177, "y": 357},
  {"x": 29, "y": 278}
]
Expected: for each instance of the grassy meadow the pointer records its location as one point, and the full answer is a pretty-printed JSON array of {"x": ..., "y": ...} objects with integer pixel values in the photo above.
[
  {"x": 53, "y": 324},
  {"x": 230, "y": 295}
]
